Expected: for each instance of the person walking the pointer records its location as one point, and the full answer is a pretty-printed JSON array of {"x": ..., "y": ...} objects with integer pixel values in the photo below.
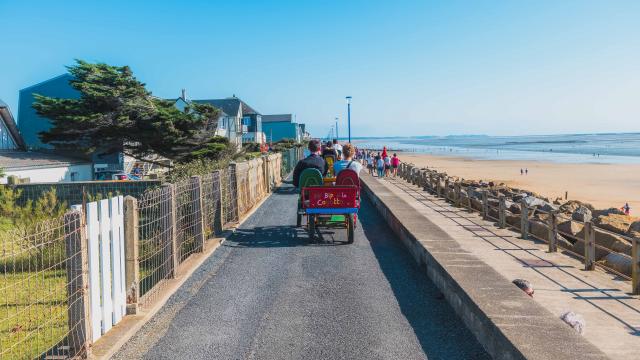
[
  {"x": 395, "y": 162},
  {"x": 380, "y": 166},
  {"x": 626, "y": 209},
  {"x": 387, "y": 166},
  {"x": 370, "y": 164}
]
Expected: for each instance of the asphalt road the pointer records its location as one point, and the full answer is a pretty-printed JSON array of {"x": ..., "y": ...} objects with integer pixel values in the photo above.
[{"x": 271, "y": 293}]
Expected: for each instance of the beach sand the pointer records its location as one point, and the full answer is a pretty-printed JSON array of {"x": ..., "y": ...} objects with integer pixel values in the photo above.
[{"x": 602, "y": 185}]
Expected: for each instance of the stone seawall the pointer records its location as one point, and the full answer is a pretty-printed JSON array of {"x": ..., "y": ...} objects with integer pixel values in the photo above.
[{"x": 505, "y": 321}]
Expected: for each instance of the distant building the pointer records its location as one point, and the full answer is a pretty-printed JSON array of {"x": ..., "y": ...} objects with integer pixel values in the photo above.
[
  {"x": 238, "y": 121},
  {"x": 29, "y": 122},
  {"x": 281, "y": 126},
  {"x": 31, "y": 165}
]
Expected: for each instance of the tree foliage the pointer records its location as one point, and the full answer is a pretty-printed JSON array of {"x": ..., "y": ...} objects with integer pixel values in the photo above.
[{"x": 115, "y": 112}]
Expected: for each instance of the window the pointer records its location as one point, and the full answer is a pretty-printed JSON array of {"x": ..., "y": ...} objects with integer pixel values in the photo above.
[
  {"x": 74, "y": 176},
  {"x": 246, "y": 121}
]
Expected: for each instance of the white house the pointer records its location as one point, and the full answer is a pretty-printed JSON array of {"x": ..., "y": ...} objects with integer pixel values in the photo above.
[{"x": 31, "y": 165}]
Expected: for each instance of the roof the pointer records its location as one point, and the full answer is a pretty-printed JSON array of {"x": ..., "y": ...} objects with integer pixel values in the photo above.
[
  {"x": 277, "y": 118},
  {"x": 230, "y": 105},
  {"x": 7, "y": 118},
  {"x": 65, "y": 75},
  {"x": 20, "y": 160}
]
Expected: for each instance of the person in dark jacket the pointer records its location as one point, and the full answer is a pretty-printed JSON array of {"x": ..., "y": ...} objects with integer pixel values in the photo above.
[{"x": 313, "y": 161}]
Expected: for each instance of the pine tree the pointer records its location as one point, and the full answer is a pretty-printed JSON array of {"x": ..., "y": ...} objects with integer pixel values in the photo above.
[{"x": 116, "y": 113}]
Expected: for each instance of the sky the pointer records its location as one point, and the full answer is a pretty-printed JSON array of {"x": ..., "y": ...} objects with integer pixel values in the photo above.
[{"x": 412, "y": 67}]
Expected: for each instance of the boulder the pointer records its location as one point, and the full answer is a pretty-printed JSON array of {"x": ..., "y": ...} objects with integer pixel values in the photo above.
[
  {"x": 513, "y": 220},
  {"x": 607, "y": 240},
  {"x": 514, "y": 208},
  {"x": 634, "y": 229},
  {"x": 617, "y": 262},
  {"x": 614, "y": 222},
  {"x": 539, "y": 229},
  {"x": 570, "y": 227},
  {"x": 609, "y": 211},
  {"x": 571, "y": 206},
  {"x": 582, "y": 214}
]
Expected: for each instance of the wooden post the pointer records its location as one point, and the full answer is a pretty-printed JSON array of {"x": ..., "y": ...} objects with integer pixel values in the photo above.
[
  {"x": 589, "y": 246},
  {"x": 635, "y": 266},
  {"x": 552, "y": 223},
  {"x": 131, "y": 266},
  {"x": 524, "y": 219},
  {"x": 485, "y": 204},
  {"x": 431, "y": 187},
  {"x": 469, "y": 192},
  {"x": 234, "y": 166},
  {"x": 77, "y": 283},
  {"x": 198, "y": 214},
  {"x": 218, "y": 221},
  {"x": 438, "y": 180},
  {"x": 502, "y": 211},
  {"x": 446, "y": 188}
]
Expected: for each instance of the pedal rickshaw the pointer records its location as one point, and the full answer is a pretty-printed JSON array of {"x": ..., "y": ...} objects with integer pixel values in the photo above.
[{"x": 330, "y": 204}]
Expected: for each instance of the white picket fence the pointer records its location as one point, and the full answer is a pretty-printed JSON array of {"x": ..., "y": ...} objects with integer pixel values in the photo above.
[{"x": 105, "y": 244}]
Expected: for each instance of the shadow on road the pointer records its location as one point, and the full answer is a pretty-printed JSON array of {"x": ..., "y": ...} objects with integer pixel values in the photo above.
[
  {"x": 282, "y": 236},
  {"x": 441, "y": 334}
]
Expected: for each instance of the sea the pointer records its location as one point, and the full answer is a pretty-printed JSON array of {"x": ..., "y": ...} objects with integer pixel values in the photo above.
[{"x": 617, "y": 148}]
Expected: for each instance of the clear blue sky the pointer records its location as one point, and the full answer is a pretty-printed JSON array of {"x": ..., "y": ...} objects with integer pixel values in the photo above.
[{"x": 413, "y": 67}]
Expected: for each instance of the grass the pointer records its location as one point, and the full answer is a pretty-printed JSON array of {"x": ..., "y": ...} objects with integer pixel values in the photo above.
[{"x": 33, "y": 313}]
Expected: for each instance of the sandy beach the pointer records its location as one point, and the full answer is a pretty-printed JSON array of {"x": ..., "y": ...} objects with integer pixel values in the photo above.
[{"x": 602, "y": 185}]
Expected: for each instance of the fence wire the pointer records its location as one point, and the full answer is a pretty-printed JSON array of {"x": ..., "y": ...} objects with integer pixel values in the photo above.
[
  {"x": 188, "y": 217},
  {"x": 155, "y": 231},
  {"x": 40, "y": 286},
  {"x": 211, "y": 202},
  {"x": 229, "y": 196}
]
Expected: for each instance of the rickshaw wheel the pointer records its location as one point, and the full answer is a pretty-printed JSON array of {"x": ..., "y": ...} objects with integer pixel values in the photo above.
[
  {"x": 311, "y": 219},
  {"x": 350, "y": 229},
  {"x": 298, "y": 220}
]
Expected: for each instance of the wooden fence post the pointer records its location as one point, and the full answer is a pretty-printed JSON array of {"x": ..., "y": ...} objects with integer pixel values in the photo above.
[
  {"x": 218, "y": 221},
  {"x": 553, "y": 231},
  {"x": 524, "y": 219},
  {"x": 635, "y": 266},
  {"x": 198, "y": 214},
  {"x": 589, "y": 246},
  {"x": 446, "y": 188},
  {"x": 457, "y": 189},
  {"x": 485, "y": 204},
  {"x": 438, "y": 180},
  {"x": 131, "y": 266},
  {"x": 469, "y": 193},
  {"x": 502, "y": 211},
  {"x": 77, "y": 283}
]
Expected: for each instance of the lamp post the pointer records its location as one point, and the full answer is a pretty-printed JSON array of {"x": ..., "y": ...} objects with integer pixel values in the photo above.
[
  {"x": 349, "y": 116},
  {"x": 337, "y": 136}
]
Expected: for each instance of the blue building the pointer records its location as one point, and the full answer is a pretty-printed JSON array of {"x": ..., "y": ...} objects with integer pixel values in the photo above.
[
  {"x": 29, "y": 123},
  {"x": 281, "y": 126}
]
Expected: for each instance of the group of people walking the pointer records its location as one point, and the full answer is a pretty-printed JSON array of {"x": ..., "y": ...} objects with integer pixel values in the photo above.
[{"x": 380, "y": 163}]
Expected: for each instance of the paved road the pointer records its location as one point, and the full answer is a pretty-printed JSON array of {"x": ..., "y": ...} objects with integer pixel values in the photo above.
[{"x": 271, "y": 293}]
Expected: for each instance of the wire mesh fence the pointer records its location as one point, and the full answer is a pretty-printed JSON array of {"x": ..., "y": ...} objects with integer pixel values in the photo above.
[
  {"x": 155, "y": 233},
  {"x": 188, "y": 217},
  {"x": 211, "y": 198},
  {"x": 40, "y": 286},
  {"x": 229, "y": 195}
]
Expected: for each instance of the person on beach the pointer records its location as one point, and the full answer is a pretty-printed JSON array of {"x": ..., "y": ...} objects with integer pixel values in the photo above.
[
  {"x": 626, "y": 209},
  {"x": 313, "y": 161},
  {"x": 348, "y": 162},
  {"x": 380, "y": 166},
  {"x": 387, "y": 166},
  {"x": 526, "y": 171},
  {"x": 395, "y": 162},
  {"x": 521, "y": 171}
]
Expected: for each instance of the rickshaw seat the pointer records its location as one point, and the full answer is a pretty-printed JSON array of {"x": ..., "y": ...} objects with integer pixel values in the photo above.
[
  {"x": 348, "y": 177},
  {"x": 310, "y": 177}
]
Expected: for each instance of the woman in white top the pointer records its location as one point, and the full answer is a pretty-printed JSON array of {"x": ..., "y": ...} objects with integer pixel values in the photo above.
[{"x": 348, "y": 162}]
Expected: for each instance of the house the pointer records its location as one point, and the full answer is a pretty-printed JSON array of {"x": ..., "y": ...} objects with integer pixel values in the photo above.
[
  {"x": 35, "y": 166},
  {"x": 238, "y": 121},
  {"x": 281, "y": 126}
]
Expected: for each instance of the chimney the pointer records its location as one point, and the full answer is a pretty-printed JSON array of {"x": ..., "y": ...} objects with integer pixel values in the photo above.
[{"x": 184, "y": 94}]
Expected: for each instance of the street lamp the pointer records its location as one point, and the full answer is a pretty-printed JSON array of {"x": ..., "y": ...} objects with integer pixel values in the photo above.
[
  {"x": 349, "y": 116},
  {"x": 337, "y": 137}
]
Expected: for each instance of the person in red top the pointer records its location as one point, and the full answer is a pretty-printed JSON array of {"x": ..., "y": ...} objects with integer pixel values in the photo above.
[
  {"x": 384, "y": 152},
  {"x": 395, "y": 162}
]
